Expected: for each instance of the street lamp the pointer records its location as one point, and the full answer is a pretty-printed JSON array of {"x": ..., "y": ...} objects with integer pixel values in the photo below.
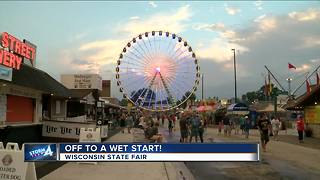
[
  {"x": 202, "y": 85},
  {"x": 289, "y": 86},
  {"x": 235, "y": 75}
]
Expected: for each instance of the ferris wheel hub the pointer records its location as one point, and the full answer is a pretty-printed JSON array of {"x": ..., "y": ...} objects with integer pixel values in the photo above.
[{"x": 158, "y": 69}]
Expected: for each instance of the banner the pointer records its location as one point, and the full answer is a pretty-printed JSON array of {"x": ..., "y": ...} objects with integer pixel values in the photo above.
[
  {"x": 62, "y": 129},
  {"x": 94, "y": 152},
  {"x": 312, "y": 114}
]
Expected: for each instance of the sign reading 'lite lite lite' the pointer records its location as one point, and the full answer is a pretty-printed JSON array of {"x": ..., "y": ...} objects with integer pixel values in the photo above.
[
  {"x": 14, "y": 50},
  {"x": 148, "y": 152}
]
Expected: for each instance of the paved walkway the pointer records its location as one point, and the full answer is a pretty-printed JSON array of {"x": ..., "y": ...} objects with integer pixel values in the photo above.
[
  {"x": 120, "y": 170},
  {"x": 284, "y": 159},
  {"x": 290, "y": 160}
]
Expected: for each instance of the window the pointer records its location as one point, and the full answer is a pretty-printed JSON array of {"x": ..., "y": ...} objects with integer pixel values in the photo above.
[{"x": 58, "y": 105}]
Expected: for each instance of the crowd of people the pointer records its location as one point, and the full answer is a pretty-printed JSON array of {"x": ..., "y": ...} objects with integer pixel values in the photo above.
[{"x": 192, "y": 125}]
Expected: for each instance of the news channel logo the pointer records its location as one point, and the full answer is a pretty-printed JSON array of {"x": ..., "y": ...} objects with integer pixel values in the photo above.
[{"x": 40, "y": 152}]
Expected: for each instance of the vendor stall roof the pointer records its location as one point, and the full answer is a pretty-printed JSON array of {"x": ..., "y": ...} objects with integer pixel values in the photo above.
[
  {"x": 34, "y": 78},
  {"x": 305, "y": 100},
  {"x": 238, "y": 107},
  {"x": 80, "y": 93},
  {"x": 265, "y": 106}
]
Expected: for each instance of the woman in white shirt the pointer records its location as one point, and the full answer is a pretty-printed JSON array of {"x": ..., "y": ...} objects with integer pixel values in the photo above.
[{"x": 275, "y": 123}]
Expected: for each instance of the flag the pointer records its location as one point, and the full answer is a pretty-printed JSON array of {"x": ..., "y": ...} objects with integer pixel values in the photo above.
[
  {"x": 290, "y": 66},
  {"x": 308, "y": 86},
  {"x": 269, "y": 85},
  {"x": 265, "y": 87},
  {"x": 318, "y": 79}
]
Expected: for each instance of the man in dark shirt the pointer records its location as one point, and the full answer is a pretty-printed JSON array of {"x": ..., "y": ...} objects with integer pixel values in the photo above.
[
  {"x": 264, "y": 126},
  {"x": 226, "y": 126},
  {"x": 183, "y": 128}
]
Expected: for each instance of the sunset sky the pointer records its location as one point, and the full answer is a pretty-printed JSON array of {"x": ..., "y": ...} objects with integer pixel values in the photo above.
[{"x": 87, "y": 37}]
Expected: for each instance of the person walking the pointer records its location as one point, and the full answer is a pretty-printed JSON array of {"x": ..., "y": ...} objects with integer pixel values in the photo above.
[
  {"x": 275, "y": 123},
  {"x": 170, "y": 125},
  {"x": 264, "y": 126},
  {"x": 123, "y": 122},
  {"x": 183, "y": 128},
  {"x": 242, "y": 122},
  {"x": 236, "y": 125},
  {"x": 195, "y": 123},
  {"x": 129, "y": 122},
  {"x": 162, "y": 119},
  {"x": 201, "y": 129},
  {"x": 300, "y": 128},
  {"x": 220, "y": 127},
  {"x": 226, "y": 126},
  {"x": 247, "y": 126}
]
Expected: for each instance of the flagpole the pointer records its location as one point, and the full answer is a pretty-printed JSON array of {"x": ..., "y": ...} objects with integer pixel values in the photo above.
[
  {"x": 305, "y": 81},
  {"x": 283, "y": 89},
  {"x": 289, "y": 87},
  {"x": 289, "y": 81}
]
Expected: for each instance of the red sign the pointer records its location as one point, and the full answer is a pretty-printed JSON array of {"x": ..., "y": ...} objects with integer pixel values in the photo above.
[{"x": 14, "y": 50}]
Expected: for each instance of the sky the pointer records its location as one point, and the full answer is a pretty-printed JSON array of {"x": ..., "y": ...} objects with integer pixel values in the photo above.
[{"x": 87, "y": 37}]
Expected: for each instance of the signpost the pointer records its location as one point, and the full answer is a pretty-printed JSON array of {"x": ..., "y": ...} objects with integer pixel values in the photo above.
[
  {"x": 90, "y": 135},
  {"x": 12, "y": 165}
]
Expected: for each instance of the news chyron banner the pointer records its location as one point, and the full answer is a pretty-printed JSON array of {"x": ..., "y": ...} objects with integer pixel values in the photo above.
[{"x": 142, "y": 152}]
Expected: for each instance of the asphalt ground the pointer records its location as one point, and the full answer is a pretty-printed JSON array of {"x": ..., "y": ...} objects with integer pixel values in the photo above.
[
  {"x": 44, "y": 168},
  {"x": 269, "y": 168}
]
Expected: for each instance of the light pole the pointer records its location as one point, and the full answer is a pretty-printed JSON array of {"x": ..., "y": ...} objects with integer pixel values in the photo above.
[
  {"x": 235, "y": 75},
  {"x": 202, "y": 86},
  {"x": 289, "y": 87}
]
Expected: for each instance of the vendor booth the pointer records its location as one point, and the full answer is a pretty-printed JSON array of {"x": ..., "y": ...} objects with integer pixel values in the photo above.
[{"x": 238, "y": 108}]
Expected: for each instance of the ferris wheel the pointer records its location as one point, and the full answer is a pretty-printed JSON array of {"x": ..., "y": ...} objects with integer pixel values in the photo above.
[{"x": 157, "y": 71}]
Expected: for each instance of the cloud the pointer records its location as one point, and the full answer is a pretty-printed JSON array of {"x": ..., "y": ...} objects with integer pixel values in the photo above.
[
  {"x": 229, "y": 34},
  {"x": 209, "y": 27},
  {"x": 172, "y": 21},
  {"x": 267, "y": 24},
  {"x": 102, "y": 52},
  {"x": 268, "y": 40},
  {"x": 153, "y": 4},
  {"x": 258, "y": 19},
  {"x": 219, "y": 50},
  {"x": 310, "y": 42},
  {"x": 258, "y": 5},
  {"x": 219, "y": 79},
  {"x": 315, "y": 61},
  {"x": 100, "y": 56},
  {"x": 275, "y": 40},
  {"x": 134, "y": 18},
  {"x": 310, "y": 14},
  {"x": 303, "y": 68},
  {"x": 81, "y": 35},
  {"x": 80, "y": 61},
  {"x": 218, "y": 27},
  {"x": 232, "y": 10}
]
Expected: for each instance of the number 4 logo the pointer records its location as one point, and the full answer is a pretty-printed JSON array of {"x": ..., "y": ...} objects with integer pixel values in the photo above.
[{"x": 48, "y": 151}]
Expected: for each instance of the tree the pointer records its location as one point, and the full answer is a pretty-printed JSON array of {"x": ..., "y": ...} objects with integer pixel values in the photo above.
[
  {"x": 261, "y": 95},
  {"x": 124, "y": 102},
  {"x": 192, "y": 98}
]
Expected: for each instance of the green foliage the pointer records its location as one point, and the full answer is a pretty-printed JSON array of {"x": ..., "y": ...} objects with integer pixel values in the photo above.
[
  {"x": 192, "y": 98},
  {"x": 261, "y": 95},
  {"x": 124, "y": 102}
]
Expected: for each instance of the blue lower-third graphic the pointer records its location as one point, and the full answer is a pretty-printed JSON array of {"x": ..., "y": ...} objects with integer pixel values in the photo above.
[{"x": 40, "y": 152}]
